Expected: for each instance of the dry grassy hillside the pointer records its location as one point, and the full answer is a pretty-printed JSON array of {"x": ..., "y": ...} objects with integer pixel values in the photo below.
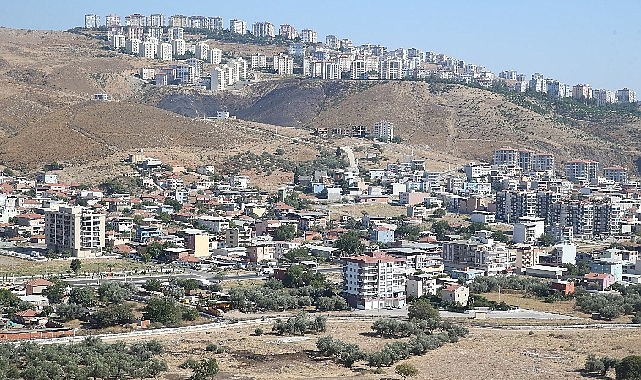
[{"x": 465, "y": 121}]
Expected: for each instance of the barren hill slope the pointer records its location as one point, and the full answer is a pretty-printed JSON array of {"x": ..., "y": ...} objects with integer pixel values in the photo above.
[{"x": 441, "y": 118}]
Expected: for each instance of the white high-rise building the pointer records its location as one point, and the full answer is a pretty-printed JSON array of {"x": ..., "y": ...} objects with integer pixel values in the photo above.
[
  {"x": 237, "y": 26},
  {"x": 218, "y": 81},
  {"x": 118, "y": 41},
  {"x": 309, "y": 36},
  {"x": 178, "y": 46},
  {"x": 75, "y": 230},
  {"x": 215, "y": 56},
  {"x": 283, "y": 64},
  {"x": 165, "y": 52},
  {"x": 263, "y": 29},
  {"x": 626, "y": 95},
  {"x": 259, "y": 61},
  {"x": 136, "y": 20},
  {"x": 202, "y": 51},
  {"x": 132, "y": 46},
  {"x": 156, "y": 20},
  {"x": 216, "y": 23},
  {"x": 603, "y": 97},
  {"x": 374, "y": 281},
  {"x": 148, "y": 49},
  {"x": 112, "y": 21},
  {"x": 176, "y": 33},
  {"x": 383, "y": 130},
  {"x": 332, "y": 42},
  {"x": 287, "y": 31},
  {"x": 92, "y": 21}
]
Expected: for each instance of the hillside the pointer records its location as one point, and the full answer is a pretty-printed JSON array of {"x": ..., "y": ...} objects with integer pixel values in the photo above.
[
  {"x": 47, "y": 79},
  {"x": 466, "y": 122}
]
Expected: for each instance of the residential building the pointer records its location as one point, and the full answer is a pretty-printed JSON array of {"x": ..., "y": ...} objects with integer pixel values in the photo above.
[
  {"x": 478, "y": 253},
  {"x": 238, "y": 237},
  {"x": 197, "y": 242},
  {"x": 617, "y": 174},
  {"x": 579, "y": 170},
  {"x": 582, "y": 92},
  {"x": 613, "y": 267},
  {"x": 178, "y": 47},
  {"x": 165, "y": 52},
  {"x": 112, "y": 21},
  {"x": 202, "y": 51},
  {"x": 287, "y": 31},
  {"x": 132, "y": 46},
  {"x": 179, "y": 21},
  {"x": 176, "y": 33},
  {"x": 603, "y": 97},
  {"x": 391, "y": 69},
  {"x": 92, "y": 21},
  {"x": 332, "y": 42},
  {"x": 626, "y": 95},
  {"x": 258, "y": 61},
  {"x": 456, "y": 294},
  {"x": 118, "y": 41},
  {"x": 76, "y": 230},
  {"x": 308, "y": 36},
  {"x": 148, "y": 49},
  {"x": 603, "y": 281},
  {"x": 528, "y": 230},
  {"x": 283, "y": 64},
  {"x": 136, "y": 20},
  {"x": 374, "y": 281},
  {"x": 215, "y": 56},
  {"x": 420, "y": 285},
  {"x": 383, "y": 130},
  {"x": 263, "y": 29},
  {"x": 237, "y": 26},
  {"x": 156, "y": 20},
  {"x": 261, "y": 253},
  {"x": 216, "y": 23}
]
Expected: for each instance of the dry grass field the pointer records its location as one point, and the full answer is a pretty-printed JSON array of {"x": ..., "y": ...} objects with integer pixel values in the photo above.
[{"x": 496, "y": 353}]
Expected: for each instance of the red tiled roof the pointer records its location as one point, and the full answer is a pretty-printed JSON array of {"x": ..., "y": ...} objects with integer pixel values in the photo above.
[{"x": 39, "y": 282}]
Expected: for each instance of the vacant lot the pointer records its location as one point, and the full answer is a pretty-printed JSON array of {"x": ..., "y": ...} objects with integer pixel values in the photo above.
[{"x": 484, "y": 354}]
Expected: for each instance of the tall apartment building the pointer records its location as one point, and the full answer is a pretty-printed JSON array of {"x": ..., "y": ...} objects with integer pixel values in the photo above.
[
  {"x": 309, "y": 36},
  {"x": 513, "y": 205},
  {"x": 76, "y": 230},
  {"x": 112, "y": 21},
  {"x": 215, "y": 56},
  {"x": 238, "y": 237},
  {"x": 136, "y": 19},
  {"x": 332, "y": 42},
  {"x": 283, "y": 64},
  {"x": 374, "y": 281},
  {"x": 198, "y": 22},
  {"x": 202, "y": 51},
  {"x": 626, "y": 95},
  {"x": 148, "y": 49},
  {"x": 258, "y": 61},
  {"x": 617, "y": 174},
  {"x": 237, "y": 26},
  {"x": 216, "y": 23},
  {"x": 156, "y": 20},
  {"x": 218, "y": 81},
  {"x": 478, "y": 253},
  {"x": 165, "y": 52},
  {"x": 581, "y": 170},
  {"x": 287, "y": 31},
  {"x": 175, "y": 33},
  {"x": 391, "y": 69},
  {"x": 178, "y": 46},
  {"x": 383, "y": 130},
  {"x": 263, "y": 29},
  {"x": 179, "y": 21},
  {"x": 118, "y": 41},
  {"x": 582, "y": 92},
  {"x": 92, "y": 22},
  {"x": 603, "y": 97}
]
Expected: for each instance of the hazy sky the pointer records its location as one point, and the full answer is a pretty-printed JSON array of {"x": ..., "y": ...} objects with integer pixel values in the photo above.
[{"x": 574, "y": 41}]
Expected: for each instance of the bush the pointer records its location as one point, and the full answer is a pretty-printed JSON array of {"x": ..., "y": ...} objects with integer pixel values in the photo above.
[
  {"x": 300, "y": 325},
  {"x": 629, "y": 368},
  {"x": 258, "y": 331},
  {"x": 216, "y": 349}
]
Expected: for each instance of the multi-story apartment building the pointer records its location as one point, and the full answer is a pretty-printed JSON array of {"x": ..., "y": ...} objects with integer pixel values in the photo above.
[
  {"x": 215, "y": 56},
  {"x": 202, "y": 51},
  {"x": 603, "y": 97},
  {"x": 332, "y": 42},
  {"x": 132, "y": 46},
  {"x": 579, "y": 170},
  {"x": 179, "y": 21},
  {"x": 582, "y": 92},
  {"x": 148, "y": 49},
  {"x": 374, "y": 281},
  {"x": 626, "y": 95},
  {"x": 287, "y": 31},
  {"x": 135, "y": 32},
  {"x": 558, "y": 90},
  {"x": 478, "y": 253},
  {"x": 176, "y": 33},
  {"x": 136, "y": 19},
  {"x": 283, "y": 64},
  {"x": 198, "y": 22},
  {"x": 156, "y": 20},
  {"x": 543, "y": 162},
  {"x": 238, "y": 237},
  {"x": 112, "y": 21},
  {"x": 391, "y": 69},
  {"x": 92, "y": 21},
  {"x": 76, "y": 230},
  {"x": 165, "y": 52},
  {"x": 512, "y": 205},
  {"x": 617, "y": 174},
  {"x": 178, "y": 47},
  {"x": 237, "y": 26},
  {"x": 118, "y": 41},
  {"x": 309, "y": 36},
  {"x": 506, "y": 156},
  {"x": 383, "y": 130},
  {"x": 216, "y": 23},
  {"x": 258, "y": 61},
  {"x": 263, "y": 29}
]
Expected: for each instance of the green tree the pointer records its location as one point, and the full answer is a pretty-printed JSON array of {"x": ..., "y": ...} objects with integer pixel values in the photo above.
[
  {"x": 629, "y": 368},
  {"x": 83, "y": 296},
  {"x": 405, "y": 370},
  {"x": 546, "y": 240},
  {"x": 203, "y": 369},
  {"x": 440, "y": 229},
  {"x": 113, "y": 315},
  {"x": 56, "y": 292},
  {"x": 115, "y": 292},
  {"x": 166, "y": 311},
  {"x": 75, "y": 265},
  {"x": 153, "y": 285},
  {"x": 350, "y": 244},
  {"x": 439, "y": 213},
  {"x": 422, "y": 309},
  {"x": 173, "y": 203},
  {"x": 286, "y": 232}
]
